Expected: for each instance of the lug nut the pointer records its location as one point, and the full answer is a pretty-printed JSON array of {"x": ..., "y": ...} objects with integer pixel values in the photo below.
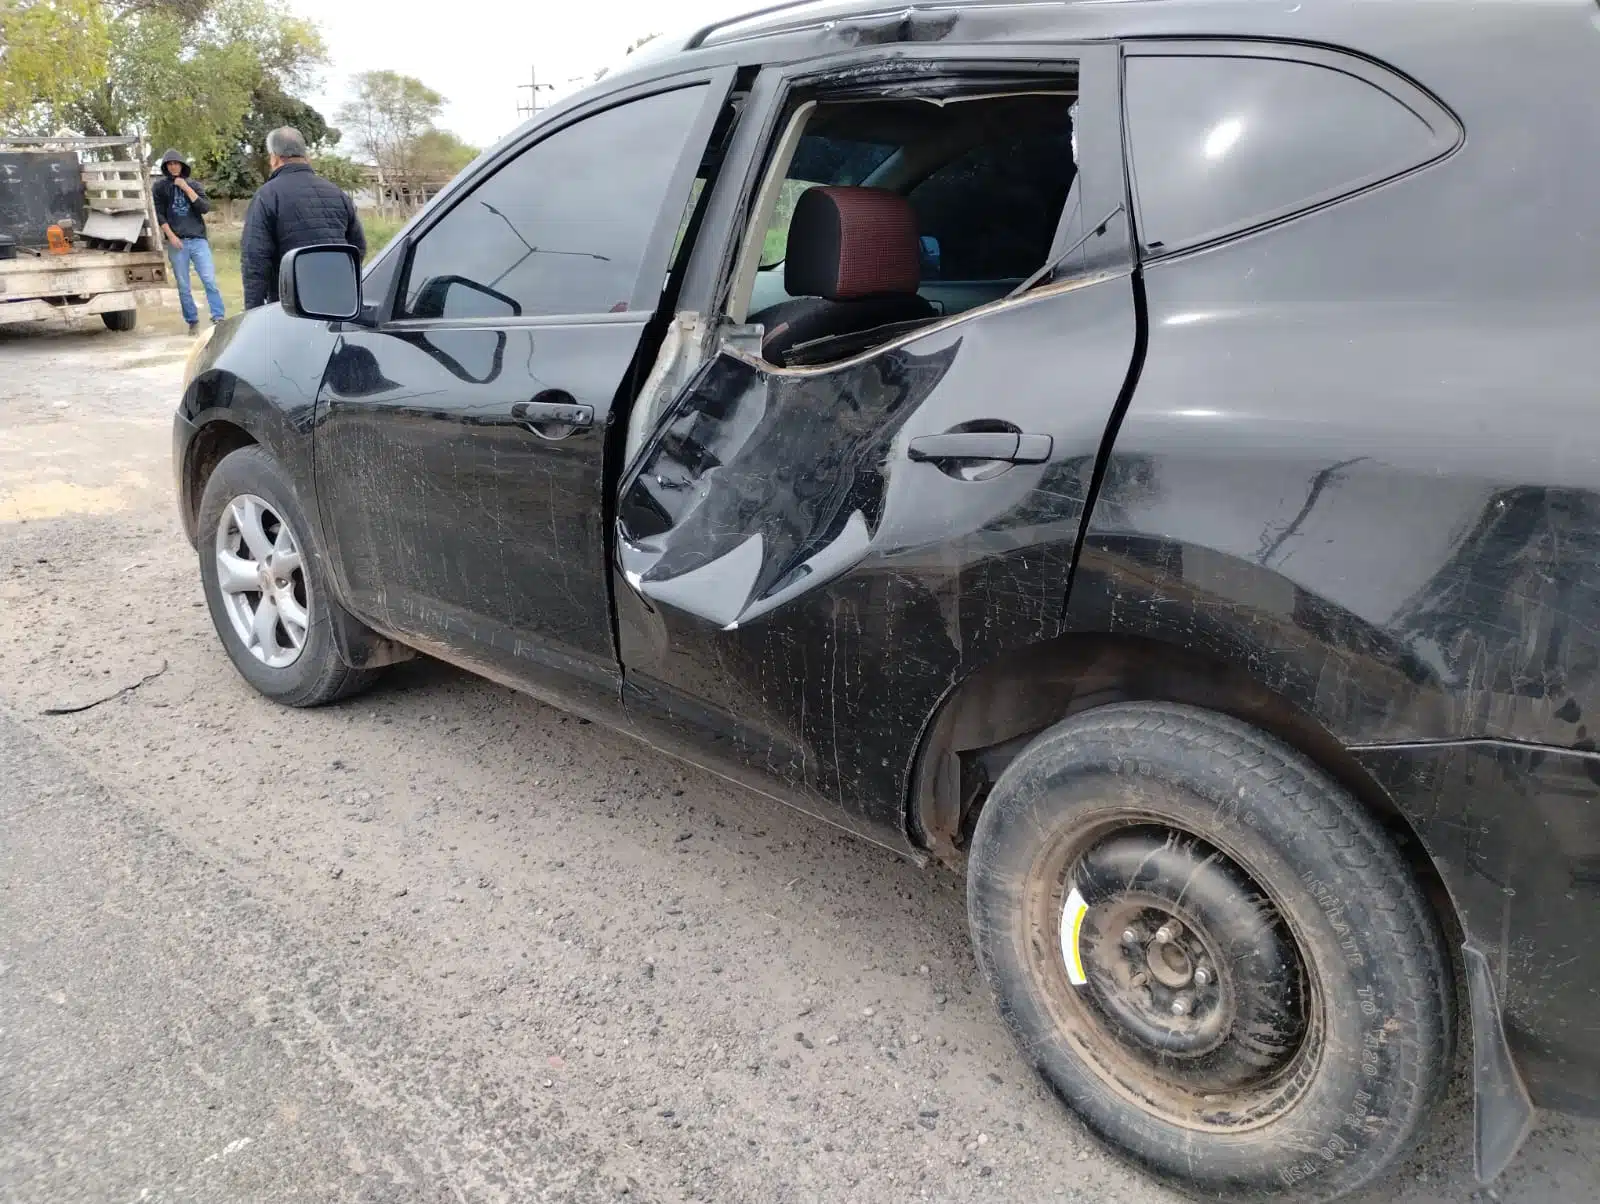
[
  {"x": 1168, "y": 932},
  {"x": 1130, "y": 937},
  {"x": 1202, "y": 976},
  {"x": 1180, "y": 1006}
]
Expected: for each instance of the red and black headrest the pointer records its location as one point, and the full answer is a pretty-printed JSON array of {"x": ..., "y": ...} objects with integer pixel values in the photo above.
[{"x": 849, "y": 243}]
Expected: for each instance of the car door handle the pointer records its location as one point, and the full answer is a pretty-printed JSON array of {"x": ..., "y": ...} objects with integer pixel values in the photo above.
[
  {"x": 1008, "y": 446},
  {"x": 562, "y": 410}
]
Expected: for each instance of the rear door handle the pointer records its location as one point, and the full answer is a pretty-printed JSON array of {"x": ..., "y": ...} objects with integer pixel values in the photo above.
[
  {"x": 562, "y": 410},
  {"x": 1007, "y": 446}
]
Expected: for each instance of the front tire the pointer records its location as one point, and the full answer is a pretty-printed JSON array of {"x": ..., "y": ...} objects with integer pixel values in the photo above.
[
  {"x": 121, "y": 320},
  {"x": 1211, "y": 952},
  {"x": 265, "y": 587}
]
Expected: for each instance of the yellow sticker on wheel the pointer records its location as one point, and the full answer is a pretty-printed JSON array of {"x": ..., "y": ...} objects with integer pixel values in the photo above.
[{"x": 1071, "y": 930}]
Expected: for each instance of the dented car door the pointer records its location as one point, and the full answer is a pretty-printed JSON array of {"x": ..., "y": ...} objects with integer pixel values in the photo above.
[
  {"x": 460, "y": 446},
  {"x": 811, "y": 557}
]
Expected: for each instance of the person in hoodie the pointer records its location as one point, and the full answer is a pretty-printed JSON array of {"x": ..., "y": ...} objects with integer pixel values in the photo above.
[{"x": 181, "y": 207}]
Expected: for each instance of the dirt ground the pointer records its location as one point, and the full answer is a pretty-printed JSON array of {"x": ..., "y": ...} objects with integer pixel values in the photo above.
[{"x": 554, "y": 964}]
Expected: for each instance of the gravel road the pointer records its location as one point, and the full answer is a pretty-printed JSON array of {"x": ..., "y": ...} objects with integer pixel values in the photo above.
[{"x": 445, "y": 943}]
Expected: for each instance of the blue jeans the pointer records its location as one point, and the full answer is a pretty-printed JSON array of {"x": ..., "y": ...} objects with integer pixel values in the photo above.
[{"x": 198, "y": 252}]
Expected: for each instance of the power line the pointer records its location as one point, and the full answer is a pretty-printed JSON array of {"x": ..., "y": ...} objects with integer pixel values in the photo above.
[{"x": 533, "y": 87}]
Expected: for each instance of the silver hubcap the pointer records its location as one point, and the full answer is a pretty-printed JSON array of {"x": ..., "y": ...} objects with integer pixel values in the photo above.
[{"x": 262, "y": 574}]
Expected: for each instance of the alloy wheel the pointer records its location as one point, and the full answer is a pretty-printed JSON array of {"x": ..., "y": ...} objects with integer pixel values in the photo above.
[{"x": 261, "y": 573}]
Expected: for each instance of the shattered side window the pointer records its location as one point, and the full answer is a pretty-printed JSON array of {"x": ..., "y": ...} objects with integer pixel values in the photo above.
[
  {"x": 818, "y": 160},
  {"x": 994, "y": 211}
]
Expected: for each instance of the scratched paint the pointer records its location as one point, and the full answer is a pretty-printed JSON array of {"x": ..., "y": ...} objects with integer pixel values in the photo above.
[
  {"x": 1358, "y": 473},
  {"x": 784, "y": 563}
]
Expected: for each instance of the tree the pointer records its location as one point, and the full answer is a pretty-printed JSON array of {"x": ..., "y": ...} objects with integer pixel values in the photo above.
[
  {"x": 287, "y": 48},
  {"x": 186, "y": 73},
  {"x": 346, "y": 173},
  {"x": 438, "y": 155},
  {"x": 239, "y": 167},
  {"x": 385, "y": 117},
  {"x": 49, "y": 51}
]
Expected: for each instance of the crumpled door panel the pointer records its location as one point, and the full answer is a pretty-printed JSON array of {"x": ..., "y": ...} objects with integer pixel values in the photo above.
[
  {"x": 764, "y": 484},
  {"x": 800, "y": 593}
]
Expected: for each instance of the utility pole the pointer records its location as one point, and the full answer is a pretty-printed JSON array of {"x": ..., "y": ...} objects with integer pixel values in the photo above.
[{"x": 533, "y": 87}]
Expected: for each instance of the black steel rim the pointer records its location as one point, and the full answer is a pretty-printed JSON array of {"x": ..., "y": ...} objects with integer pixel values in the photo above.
[{"x": 1175, "y": 973}]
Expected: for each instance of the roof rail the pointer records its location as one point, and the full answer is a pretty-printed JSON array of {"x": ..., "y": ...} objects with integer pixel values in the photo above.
[
  {"x": 698, "y": 38},
  {"x": 842, "y": 10}
]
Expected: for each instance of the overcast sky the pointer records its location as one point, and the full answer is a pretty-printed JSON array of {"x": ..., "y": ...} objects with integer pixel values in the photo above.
[{"x": 476, "y": 52}]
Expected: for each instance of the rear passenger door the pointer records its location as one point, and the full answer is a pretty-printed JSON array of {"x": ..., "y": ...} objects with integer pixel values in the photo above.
[{"x": 801, "y": 585}]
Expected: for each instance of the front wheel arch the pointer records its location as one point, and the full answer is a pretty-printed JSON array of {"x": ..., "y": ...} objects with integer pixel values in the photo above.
[
  {"x": 320, "y": 669},
  {"x": 211, "y": 444}
]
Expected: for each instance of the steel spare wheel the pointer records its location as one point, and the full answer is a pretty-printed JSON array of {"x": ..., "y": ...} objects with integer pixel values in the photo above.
[
  {"x": 1212, "y": 951},
  {"x": 1183, "y": 967}
]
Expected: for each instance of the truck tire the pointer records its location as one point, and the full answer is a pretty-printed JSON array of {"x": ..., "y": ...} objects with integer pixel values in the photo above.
[
  {"x": 121, "y": 320},
  {"x": 1211, "y": 952},
  {"x": 265, "y": 585}
]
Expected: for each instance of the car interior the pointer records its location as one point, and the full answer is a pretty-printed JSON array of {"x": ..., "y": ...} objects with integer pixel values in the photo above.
[{"x": 880, "y": 216}]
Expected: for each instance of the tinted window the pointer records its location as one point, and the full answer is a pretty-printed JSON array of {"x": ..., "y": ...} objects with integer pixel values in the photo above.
[
  {"x": 562, "y": 228},
  {"x": 823, "y": 159},
  {"x": 994, "y": 211},
  {"x": 1222, "y": 144}
]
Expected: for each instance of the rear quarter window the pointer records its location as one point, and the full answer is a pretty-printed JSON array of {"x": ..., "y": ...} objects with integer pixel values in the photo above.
[{"x": 1221, "y": 144}]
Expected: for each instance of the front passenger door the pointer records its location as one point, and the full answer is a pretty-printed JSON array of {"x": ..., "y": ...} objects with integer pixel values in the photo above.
[{"x": 460, "y": 446}]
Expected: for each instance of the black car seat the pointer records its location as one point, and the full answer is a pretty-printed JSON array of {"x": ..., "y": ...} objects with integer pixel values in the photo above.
[{"x": 853, "y": 264}]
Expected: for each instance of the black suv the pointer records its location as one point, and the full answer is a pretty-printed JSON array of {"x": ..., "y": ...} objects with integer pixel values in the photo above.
[{"x": 1144, "y": 456}]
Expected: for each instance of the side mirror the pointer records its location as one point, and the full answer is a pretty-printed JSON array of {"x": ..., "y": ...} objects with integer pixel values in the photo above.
[
  {"x": 323, "y": 283},
  {"x": 930, "y": 255},
  {"x": 459, "y": 297}
]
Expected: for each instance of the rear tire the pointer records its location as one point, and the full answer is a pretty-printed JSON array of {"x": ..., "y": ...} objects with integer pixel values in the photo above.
[
  {"x": 120, "y": 320},
  {"x": 1251, "y": 998},
  {"x": 255, "y": 554}
]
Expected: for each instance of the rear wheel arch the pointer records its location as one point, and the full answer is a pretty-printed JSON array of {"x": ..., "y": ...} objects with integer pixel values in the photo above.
[{"x": 984, "y": 721}]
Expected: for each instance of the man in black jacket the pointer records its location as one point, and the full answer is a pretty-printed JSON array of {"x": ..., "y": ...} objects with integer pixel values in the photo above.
[
  {"x": 180, "y": 209},
  {"x": 295, "y": 208}
]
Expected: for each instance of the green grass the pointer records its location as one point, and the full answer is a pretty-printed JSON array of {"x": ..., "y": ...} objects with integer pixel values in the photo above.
[
  {"x": 776, "y": 245},
  {"x": 225, "y": 253},
  {"x": 380, "y": 231}
]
